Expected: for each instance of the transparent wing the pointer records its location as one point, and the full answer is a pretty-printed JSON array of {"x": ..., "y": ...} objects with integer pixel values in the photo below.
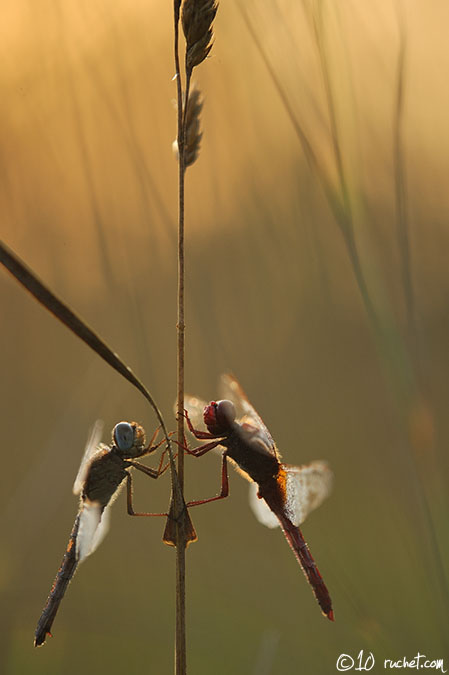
[
  {"x": 102, "y": 528},
  {"x": 93, "y": 528},
  {"x": 195, "y": 407},
  {"x": 89, "y": 520},
  {"x": 92, "y": 446},
  {"x": 231, "y": 390},
  {"x": 261, "y": 509},
  {"x": 306, "y": 487}
]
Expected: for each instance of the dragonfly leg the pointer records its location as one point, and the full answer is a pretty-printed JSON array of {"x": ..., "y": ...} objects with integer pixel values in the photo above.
[
  {"x": 197, "y": 432},
  {"x": 201, "y": 449},
  {"x": 153, "y": 473},
  {"x": 224, "y": 486},
  {"x": 129, "y": 498},
  {"x": 161, "y": 470},
  {"x": 152, "y": 448}
]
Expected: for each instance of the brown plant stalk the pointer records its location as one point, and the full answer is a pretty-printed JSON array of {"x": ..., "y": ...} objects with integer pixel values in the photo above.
[{"x": 197, "y": 17}]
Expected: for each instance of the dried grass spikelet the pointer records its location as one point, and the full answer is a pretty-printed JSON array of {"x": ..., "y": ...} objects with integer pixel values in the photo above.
[
  {"x": 197, "y": 18},
  {"x": 193, "y": 135}
]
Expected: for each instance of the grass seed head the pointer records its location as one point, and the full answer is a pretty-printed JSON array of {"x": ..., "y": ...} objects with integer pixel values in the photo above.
[
  {"x": 197, "y": 18},
  {"x": 193, "y": 135}
]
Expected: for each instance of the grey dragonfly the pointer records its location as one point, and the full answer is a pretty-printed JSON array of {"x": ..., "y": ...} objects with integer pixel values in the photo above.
[{"x": 102, "y": 473}]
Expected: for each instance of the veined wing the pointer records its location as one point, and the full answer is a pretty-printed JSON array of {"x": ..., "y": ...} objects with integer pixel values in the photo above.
[
  {"x": 261, "y": 509},
  {"x": 195, "y": 407},
  {"x": 232, "y": 391},
  {"x": 92, "y": 446},
  {"x": 306, "y": 488},
  {"x": 93, "y": 527}
]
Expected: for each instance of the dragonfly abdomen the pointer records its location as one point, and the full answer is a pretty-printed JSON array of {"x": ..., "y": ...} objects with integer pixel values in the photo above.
[
  {"x": 62, "y": 580},
  {"x": 301, "y": 551}
]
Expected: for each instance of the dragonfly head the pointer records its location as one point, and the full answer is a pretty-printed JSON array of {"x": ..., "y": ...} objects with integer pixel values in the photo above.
[
  {"x": 128, "y": 435},
  {"x": 219, "y": 416}
]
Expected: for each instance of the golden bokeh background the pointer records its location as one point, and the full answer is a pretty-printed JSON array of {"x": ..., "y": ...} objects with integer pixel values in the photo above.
[{"x": 88, "y": 199}]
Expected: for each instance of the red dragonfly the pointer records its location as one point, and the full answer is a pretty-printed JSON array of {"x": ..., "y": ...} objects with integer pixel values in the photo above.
[{"x": 282, "y": 494}]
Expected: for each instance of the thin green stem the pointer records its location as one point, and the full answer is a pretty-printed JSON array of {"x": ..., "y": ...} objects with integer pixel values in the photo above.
[
  {"x": 319, "y": 39},
  {"x": 339, "y": 206},
  {"x": 401, "y": 197}
]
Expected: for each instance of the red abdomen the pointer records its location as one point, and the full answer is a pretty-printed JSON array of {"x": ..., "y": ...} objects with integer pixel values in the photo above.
[{"x": 274, "y": 494}]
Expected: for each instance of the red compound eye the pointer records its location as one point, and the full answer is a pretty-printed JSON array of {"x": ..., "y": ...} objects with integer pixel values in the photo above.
[
  {"x": 210, "y": 414},
  {"x": 219, "y": 416}
]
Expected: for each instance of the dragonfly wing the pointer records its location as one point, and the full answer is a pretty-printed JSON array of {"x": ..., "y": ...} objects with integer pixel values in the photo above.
[
  {"x": 306, "y": 488},
  {"x": 102, "y": 529},
  {"x": 92, "y": 447},
  {"x": 231, "y": 390},
  {"x": 261, "y": 509},
  {"x": 195, "y": 407},
  {"x": 89, "y": 524}
]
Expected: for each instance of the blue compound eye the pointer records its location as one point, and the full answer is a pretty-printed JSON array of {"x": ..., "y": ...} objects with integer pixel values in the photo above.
[{"x": 123, "y": 436}]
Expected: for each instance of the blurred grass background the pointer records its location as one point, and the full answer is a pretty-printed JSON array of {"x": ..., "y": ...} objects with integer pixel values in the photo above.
[{"x": 88, "y": 199}]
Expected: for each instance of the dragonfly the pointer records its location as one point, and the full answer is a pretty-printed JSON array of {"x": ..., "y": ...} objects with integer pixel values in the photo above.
[
  {"x": 102, "y": 473},
  {"x": 280, "y": 494}
]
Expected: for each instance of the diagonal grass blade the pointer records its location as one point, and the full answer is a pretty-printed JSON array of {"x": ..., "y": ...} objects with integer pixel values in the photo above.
[{"x": 61, "y": 311}]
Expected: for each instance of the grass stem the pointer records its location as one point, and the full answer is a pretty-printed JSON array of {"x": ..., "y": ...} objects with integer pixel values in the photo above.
[{"x": 180, "y": 640}]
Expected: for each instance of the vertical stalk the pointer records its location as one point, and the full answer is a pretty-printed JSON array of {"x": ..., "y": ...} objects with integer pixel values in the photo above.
[
  {"x": 197, "y": 19},
  {"x": 180, "y": 641}
]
